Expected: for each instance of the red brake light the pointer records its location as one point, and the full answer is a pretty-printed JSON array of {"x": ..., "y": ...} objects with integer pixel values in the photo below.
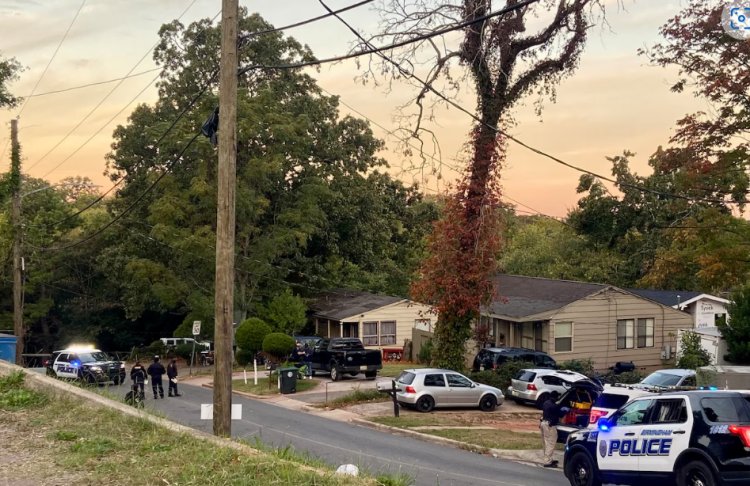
[
  {"x": 595, "y": 415},
  {"x": 409, "y": 389},
  {"x": 531, "y": 387},
  {"x": 743, "y": 431}
]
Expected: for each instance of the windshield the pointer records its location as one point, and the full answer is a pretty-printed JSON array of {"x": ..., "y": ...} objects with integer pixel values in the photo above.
[
  {"x": 661, "y": 379},
  {"x": 91, "y": 357}
]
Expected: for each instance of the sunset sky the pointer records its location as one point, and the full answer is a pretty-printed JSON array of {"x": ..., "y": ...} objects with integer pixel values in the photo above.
[{"x": 615, "y": 101}]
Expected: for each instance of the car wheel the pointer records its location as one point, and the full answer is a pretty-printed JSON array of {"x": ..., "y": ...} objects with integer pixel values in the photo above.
[
  {"x": 581, "y": 471},
  {"x": 541, "y": 399},
  {"x": 51, "y": 373},
  {"x": 335, "y": 374},
  {"x": 88, "y": 379},
  {"x": 425, "y": 404},
  {"x": 116, "y": 381},
  {"x": 488, "y": 403},
  {"x": 695, "y": 473}
]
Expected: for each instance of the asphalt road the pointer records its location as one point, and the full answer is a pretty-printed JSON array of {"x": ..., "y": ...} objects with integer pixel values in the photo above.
[{"x": 337, "y": 443}]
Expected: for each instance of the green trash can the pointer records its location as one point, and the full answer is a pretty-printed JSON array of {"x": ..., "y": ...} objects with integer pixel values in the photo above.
[{"x": 288, "y": 380}]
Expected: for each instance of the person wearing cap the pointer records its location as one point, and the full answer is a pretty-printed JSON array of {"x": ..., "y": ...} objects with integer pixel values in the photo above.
[
  {"x": 172, "y": 376},
  {"x": 156, "y": 371},
  {"x": 138, "y": 375}
]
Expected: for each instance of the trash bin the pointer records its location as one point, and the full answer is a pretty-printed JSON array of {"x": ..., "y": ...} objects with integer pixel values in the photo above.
[{"x": 287, "y": 380}]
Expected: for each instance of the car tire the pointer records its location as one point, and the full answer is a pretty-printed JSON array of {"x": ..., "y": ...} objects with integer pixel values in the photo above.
[
  {"x": 541, "y": 399},
  {"x": 695, "y": 473},
  {"x": 488, "y": 403},
  {"x": 116, "y": 381},
  {"x": 335, "y": 373},
  {"x": 51, "y": 373},
  {"x": 425, "y": 403},
  {"x": 581, "y": 471},
  {"x": 87, "y": 379}
]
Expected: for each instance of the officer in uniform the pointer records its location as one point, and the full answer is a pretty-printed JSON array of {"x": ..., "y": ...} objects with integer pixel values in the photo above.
[
  {"x": 138, "y": 375},
  {"x": 156, "y": 371},
  {"x": 172, "y": 376},
  {"x": 551, "y": 413}
]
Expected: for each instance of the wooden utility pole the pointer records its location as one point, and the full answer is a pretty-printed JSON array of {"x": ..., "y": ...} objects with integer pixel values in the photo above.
[
  {"x": 15, "y": 179},
  {"x": 224, "y": 292}
]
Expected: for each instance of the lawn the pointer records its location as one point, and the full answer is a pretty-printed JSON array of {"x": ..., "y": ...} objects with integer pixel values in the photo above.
[
  {"x": 356, "y": 397},
  {"x": 393, "y": 369},
  {"x": 265, "y": 388},
  {"x": 72, "y": 442}
]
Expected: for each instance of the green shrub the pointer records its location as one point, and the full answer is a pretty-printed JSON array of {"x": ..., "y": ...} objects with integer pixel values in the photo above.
[
  {"x": 251, "y": 333},
  {"x": 244, "y": 357},
  {"x": 13, "y": 395},
  {"x": 278, "y": 345},
  {"x": 583, "y": 366},
  {"x": 692, "y": 354},
  {"x": 156, "y": 347},
  {"x": 185, "y": 351},
  {"x": 425, "y": 353},
  {"x": 488, "y": 377},
  {"x": 628, "y": 377}
]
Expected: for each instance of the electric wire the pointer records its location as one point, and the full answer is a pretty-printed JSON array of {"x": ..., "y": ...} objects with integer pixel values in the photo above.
[{"x": 89, "y": 85}]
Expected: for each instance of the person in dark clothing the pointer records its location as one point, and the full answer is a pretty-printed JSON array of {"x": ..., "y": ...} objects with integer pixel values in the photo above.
[
  {"x": 138, "y": 375},
  {"x": 551, "y": 413},
  {"x": 308, "y": 362},
  {"x": 156, "y": 371},
  {"x": 172, "y": 375}
]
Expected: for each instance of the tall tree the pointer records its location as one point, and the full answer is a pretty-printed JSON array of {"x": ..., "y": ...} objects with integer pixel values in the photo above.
[
  {"x": 504, "y": 63},
  {"x": 9, "y": 69}
]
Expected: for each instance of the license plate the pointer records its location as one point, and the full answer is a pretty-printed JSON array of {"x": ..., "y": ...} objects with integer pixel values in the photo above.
[{"x": 363, "y": 368}]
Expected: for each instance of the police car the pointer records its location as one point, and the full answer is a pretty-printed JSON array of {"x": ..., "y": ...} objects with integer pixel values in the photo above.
[
  {"x": 87, "y": 364},
  {"x": 691, "y": 438}
]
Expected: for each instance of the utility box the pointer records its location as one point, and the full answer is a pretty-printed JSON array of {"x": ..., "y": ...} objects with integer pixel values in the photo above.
[
  {"x": 288, "y": 380},
  {"x": 8, "y": 348}
]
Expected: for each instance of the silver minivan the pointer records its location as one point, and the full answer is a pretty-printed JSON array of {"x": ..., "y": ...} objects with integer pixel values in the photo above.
[{"x": 428, "y": 388}]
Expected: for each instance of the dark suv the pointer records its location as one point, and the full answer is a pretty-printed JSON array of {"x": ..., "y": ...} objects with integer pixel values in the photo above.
[{"x": 492, "y": 358}]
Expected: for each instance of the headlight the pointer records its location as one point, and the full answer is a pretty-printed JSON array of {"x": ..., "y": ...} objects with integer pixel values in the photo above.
[
  {"x": 95, "y": 368},
  {"x": 122, "y": 366}
]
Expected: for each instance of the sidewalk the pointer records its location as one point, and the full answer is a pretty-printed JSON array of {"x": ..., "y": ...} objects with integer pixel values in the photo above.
[{"x": 522, "y": 419}]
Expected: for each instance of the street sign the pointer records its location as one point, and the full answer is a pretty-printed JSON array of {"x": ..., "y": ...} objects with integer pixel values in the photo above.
[{"x": 196, "y": 328}]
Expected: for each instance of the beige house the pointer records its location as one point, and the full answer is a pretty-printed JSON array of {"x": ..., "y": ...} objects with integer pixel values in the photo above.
[
  {"x": 577, "y": 320},
  {"x": 380, "y": 321}
]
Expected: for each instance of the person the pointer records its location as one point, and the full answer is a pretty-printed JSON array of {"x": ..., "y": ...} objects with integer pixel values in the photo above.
[
  {"x": 172, "y": 375},
  {"x": 138, "y": 375},
  {"x": 156, "y": 371},
  {"x": 308, "y": 361},
  {"x": 299, "y": 353},
  {"x": 551, "y": 413}
]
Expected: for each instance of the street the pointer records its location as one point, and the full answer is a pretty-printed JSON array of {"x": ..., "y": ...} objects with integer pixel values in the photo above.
[{"x": 339, "y": 443}]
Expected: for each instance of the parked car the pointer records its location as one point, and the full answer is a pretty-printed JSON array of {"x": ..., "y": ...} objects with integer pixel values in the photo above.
[
  {"x": 87, "y": 364},
  {"x": 428, "y": 388},
  {"x": 345, "y": 355},
  {"x": 666, "y": 379},
  {"x": 611, "y": 399},
  {"x": 535, "y": 385},
  {"x": 492, "y": 358}
]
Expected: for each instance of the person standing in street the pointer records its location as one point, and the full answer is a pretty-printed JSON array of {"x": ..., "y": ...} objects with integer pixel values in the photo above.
[
  {"x": 138, "y": 375},
  {"x": 156, "y": 371},
  {"x": 551, "y": 413},
  {"x": 308, "y": 361},
  {"x": 172, "y": 376}
]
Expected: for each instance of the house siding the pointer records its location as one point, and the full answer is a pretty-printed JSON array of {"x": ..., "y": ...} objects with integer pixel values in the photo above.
[
  {"x": 595, "y": 319},
  {"x": 404, "y": 313}
]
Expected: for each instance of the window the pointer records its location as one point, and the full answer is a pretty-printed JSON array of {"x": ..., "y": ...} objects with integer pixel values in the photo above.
[
  {"x": 563, "y": 337},
  {"x": 634, "y": 413},
  {"x": 625, "y": 333},
  {"x": 434, "y": 380},
  {"x": 423, "y": 325},
  {"x": 388, "y": 332},
  {"x": 722, "y": 409},
  {"x": 458, "y": 381},
  {"x": 672, "y": 411},
  {"x": 646, "y": 333},
  {"x": 370, "y": 333}
]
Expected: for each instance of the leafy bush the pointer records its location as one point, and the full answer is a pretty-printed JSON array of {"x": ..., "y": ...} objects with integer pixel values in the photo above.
[
  {"x": 156, "y": 347},
  {"x": 286, "y": 311},
  {"x": 692, "y": 354},
  {"x": 185, "y": 350},
  {"x": 244, "y": 357},
  {"x": 583, "y": 366},
  {"x": 628, "y": 377},
  {"x": 488, "y": 377},
  {"x": 278, "y": 345},
  {"x": 14, "y": 396},
  {"x": 251, "y": 333},
  {"x": 425, "y": 353}
]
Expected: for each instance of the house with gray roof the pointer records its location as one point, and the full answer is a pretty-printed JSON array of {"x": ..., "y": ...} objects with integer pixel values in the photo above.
[
  {"x": 381, "y": 321},
  {"x": 580, "y": 320}
]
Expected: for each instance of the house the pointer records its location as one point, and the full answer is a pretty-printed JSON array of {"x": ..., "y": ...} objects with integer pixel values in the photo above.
[
  {"x": 380, "y": 321},
  {"x": 579, "y": 320},
  {"x": 706, "y": 310}
]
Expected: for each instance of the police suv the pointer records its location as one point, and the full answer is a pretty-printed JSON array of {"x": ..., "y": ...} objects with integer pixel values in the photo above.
[
  {"x": 695, "y": 438},
  {"x": 86, "y": 364}
]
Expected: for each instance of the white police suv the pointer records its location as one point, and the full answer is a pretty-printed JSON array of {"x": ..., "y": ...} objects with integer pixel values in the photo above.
[{"x": 695, "y": 438}]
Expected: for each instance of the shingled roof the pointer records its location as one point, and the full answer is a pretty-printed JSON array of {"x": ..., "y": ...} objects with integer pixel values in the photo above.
[
  {"x": 670, "y": 298},
  {"x": 521, "y": 296},
  {"x": 340, "y": 304}
]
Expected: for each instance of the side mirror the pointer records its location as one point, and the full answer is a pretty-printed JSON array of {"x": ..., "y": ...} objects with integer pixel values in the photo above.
[
  {"x": 604, "y": 424},
  {"x": 473, "y": 385}
]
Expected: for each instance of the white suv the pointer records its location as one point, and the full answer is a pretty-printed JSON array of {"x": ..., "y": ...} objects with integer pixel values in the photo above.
[
  {"x": 612, "y": 399},
  {"x": 535, "y": 385}
]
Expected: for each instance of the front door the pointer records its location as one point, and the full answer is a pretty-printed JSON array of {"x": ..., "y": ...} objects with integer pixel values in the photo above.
[
  {"x": 64, "y": 367},
  {"x": 618, "y": 447},
  {"x": 667, "y": 434},
  {"x": 461, "y": 390}
]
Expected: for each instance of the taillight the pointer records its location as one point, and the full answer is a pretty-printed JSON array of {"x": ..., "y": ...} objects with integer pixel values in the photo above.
[
  {"x": 743, "y": 431},
  {"x": 596, "y": 415},
  {"x": 409, "y": 389},
  {"x": 531, "y": 387}
]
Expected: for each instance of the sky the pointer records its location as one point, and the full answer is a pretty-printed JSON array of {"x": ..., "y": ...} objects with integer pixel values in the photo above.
[{"x": 615, "y": 101}]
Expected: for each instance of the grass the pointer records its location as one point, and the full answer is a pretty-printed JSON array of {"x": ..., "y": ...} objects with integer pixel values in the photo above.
[
  {"x": 13, "y": 396},
  {"x": 264, "y": 388},
  {"x": 356, "y": 397},
  {"x": 422, "y": 420},
  {"x": 92, "y": 445},
  {"x": 392, "y": 370}
]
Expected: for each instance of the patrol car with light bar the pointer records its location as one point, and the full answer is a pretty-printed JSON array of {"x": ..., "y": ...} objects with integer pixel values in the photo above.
[
  {"x": 687, "y": 438},
  {"x": 87, "y": 364}
]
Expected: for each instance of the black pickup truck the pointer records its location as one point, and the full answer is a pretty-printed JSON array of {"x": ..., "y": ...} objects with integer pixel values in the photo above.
[{"x": 345, "y": 355}]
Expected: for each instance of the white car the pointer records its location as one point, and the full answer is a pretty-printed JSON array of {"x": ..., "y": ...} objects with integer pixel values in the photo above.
[
  {"x": 668, "y": 379},
  {"x": 612, "y": 399},
  {"x": 535, "y": 385}
]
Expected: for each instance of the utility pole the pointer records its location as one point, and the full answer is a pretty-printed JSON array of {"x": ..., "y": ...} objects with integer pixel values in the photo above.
[
  {"x": 15, "y": 180},
  {"x": 224, "y": 291}
]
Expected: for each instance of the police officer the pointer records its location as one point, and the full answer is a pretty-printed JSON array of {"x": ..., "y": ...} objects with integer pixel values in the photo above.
[
  {"x": 138, "y": 375},
  {"x": 156, "y": 371},
  {"x": 551, "y": 413},
  {"x": 172, "y": 375}
]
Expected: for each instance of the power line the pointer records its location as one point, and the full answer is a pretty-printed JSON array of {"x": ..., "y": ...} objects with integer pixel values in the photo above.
[{"x": 96, "y": 83}]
